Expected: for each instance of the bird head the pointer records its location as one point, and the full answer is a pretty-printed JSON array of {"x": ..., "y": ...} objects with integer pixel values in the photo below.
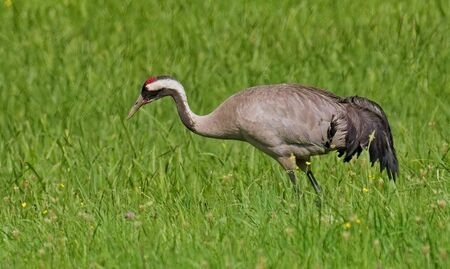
[{"x": 153, "y": 89}]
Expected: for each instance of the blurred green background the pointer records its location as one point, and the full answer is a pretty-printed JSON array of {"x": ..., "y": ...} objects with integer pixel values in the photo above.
[{"x": 82, "y": 187}]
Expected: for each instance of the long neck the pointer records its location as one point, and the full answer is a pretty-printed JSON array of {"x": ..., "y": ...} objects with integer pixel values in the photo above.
[
  {"x": 188, "y": 117},
  {"x": 214, "y": 125},
  {"x": 206, "y": 125}
]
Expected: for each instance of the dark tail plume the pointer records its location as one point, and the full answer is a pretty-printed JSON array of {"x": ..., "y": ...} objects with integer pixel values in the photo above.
[{"x": 367, "y": 125}]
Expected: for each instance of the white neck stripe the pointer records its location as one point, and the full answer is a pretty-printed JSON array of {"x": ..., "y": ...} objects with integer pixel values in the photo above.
[{"x": 168, "y": 84}]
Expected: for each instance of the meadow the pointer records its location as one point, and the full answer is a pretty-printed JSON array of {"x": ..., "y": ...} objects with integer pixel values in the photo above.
[{"x": 81, "y": 187}]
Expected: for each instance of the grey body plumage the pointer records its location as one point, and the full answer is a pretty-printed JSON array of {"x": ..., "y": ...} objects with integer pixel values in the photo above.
[{"x": 289, "y": 122}]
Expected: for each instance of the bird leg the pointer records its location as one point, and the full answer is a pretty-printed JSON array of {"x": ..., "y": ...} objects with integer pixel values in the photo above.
[
  {"x": 293, "y": 179},
  {"x": 305, "y": 166},
  {"x": 289, "y": 165},
  {"x": 313, "y": 181}
]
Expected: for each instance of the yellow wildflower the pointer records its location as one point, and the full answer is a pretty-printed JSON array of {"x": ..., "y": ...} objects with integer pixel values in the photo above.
[
  {"x": 347, "y": 225},
  {"x": 358, "y": 221},
  {"x": 24, "y": 204},
  {"x": 45, "y": 212},
  {"x": 366, "y": 190},
  {"x": 61, "y": 185},
  {"x": 308, "y": 163}
]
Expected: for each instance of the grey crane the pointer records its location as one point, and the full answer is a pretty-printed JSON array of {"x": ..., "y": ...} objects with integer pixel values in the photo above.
[{"x": 289, "y": 122}]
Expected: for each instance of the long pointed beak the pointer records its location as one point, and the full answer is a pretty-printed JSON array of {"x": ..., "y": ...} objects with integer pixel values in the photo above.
[{"x": 139, "y": 102}]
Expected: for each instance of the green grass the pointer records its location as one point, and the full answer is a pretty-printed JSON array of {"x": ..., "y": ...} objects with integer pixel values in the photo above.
[{"x": 70, "y": 72}]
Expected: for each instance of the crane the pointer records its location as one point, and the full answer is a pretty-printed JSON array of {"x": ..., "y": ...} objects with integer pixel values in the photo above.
[{"x": 288, "y": 122}]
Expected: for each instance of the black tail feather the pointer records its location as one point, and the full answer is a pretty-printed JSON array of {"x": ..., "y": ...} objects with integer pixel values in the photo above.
[{"x": 367, "y": 126}]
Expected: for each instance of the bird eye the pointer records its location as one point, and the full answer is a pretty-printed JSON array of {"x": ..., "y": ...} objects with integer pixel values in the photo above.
[{"x": 148, "y": 95}]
